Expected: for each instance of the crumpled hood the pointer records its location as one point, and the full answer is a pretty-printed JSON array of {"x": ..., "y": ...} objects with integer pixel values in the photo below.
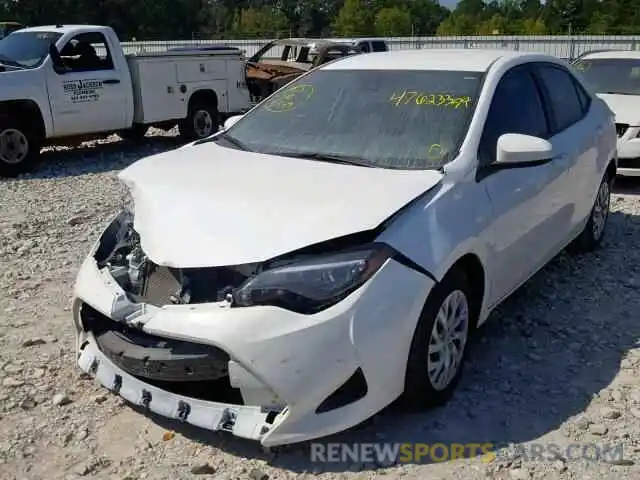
[
  {"x": 625, "y": 107},
  {"x": 207, "y": 206}
]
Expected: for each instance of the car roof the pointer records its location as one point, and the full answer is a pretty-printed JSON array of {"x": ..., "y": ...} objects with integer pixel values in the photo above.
[
  {"x": 469, "y": 60},
  {"x": 369, "y": 39},
  {"x": 612, "y": 54},
  {"x": 64, "y": 28}
]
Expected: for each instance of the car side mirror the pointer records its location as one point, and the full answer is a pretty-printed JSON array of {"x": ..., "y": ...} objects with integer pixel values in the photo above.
[
  {"x": 231, "y": 121},
  {"x": 517, "y": 149}
]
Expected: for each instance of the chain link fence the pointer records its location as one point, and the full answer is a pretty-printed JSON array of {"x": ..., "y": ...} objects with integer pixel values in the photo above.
[{"x": 560, "y": 46}]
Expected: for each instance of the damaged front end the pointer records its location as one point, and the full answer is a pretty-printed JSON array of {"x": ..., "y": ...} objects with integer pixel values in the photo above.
[
  {"x": 306, "y": 282},
  {"x": 279, "y": 350},
  {"x": 146, "y": 368}
]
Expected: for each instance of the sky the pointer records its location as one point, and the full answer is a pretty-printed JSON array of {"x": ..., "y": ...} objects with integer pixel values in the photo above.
[{"x": 448, "y": 3}]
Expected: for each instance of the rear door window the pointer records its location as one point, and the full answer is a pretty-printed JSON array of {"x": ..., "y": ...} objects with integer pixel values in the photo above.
[{"x": 562, "y": 96}]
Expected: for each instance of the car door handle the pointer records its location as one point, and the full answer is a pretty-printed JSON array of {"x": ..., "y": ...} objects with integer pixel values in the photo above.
[{"x": 111, "y": 81}]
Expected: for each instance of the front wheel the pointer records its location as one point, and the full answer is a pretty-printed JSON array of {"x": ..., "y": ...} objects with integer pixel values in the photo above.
[
  {"x": 591, "y": 236},
  {"x": 439, "y": 346},
  {"x": 202, "y": 121},
  {"x": 19, "y": 148}
]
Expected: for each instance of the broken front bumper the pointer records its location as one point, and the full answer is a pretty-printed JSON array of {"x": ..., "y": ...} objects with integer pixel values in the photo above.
[
  {"x": 243, "y": 421},
  {"x": 300, "y": 363}
]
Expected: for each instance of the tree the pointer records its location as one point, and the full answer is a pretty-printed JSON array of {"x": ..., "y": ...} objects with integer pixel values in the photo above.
[
  {"x": 458, "y": 24},
  {"x": 426, "y": 16},
  {"x": 496, "y": 25},
  {"x": 219, "y": 19},
  {"x": 393, "y": 22},
  {"x": 354, "y": 19},
  {"x": 256, "y": 22},
  {"x": 531, "y": 26}
]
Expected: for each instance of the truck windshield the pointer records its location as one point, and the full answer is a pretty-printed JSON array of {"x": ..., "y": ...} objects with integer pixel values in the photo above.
[
  {"x": 26, "y": 49},
  {"x": 398, "y": 119},
  {"x": 614, "y": 76}
]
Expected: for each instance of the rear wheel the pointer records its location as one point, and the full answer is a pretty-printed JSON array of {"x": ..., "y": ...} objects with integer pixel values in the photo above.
[
  {"x": 591, "y": 237},
  {"x": 202, "y": 121},
  {"x": 439, "y": 346},
  {"x": 19, "y": 148}
]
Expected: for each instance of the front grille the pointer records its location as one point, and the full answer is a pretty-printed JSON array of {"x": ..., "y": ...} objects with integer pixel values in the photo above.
[
  {"x": 152, "y": 357},
  {"x": 629, "y": 163},
  {"x": 621, "y": 128},
  {"x": 165, "y": 285},
  {"x": 161, "y": 285}
]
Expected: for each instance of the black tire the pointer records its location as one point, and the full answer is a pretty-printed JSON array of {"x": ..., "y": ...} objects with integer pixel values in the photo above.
[
  {"x": 591, "y": 236},
  {"x": 136, "y": 132},
  {"x": 14, "y": 136},
  {"x": 203, "y": 120},
  {"x": 419, "y": 391}
]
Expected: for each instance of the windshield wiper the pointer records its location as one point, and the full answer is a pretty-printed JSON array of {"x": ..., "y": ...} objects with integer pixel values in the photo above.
[
  {"x": 7, "y": 62},
  {"x": 618, "y": 93},
  {"x": 228, "y": 138},
  {"x": 327, "y": 157},
  {"x": 14, "y": 67}
]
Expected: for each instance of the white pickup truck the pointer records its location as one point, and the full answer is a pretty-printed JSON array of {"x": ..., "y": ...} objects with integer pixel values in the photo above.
[{"x": 61, "y": 84}]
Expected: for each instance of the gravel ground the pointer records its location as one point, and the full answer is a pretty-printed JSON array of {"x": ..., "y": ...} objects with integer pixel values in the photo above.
[{"x": 558, "y": 363}]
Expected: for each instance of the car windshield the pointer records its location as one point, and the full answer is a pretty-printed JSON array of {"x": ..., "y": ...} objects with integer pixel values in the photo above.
[
  {"x": 26, "y": 49},
  {"x": 402, "y": 119},
  {"x": 615, "y": 76}
]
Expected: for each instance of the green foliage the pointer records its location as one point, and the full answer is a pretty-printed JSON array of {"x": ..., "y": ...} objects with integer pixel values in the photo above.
[
  {"x": 354, "y": 19},
  {"x": 266, "y": 19},
  {"x": 393, "y": 22}
]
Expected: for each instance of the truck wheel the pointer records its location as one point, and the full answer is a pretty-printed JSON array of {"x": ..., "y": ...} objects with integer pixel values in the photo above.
[
  {"x": 202, "y": 121},
  {"x": 137, "y": 132},
  {"x": 19, "y": 148}
]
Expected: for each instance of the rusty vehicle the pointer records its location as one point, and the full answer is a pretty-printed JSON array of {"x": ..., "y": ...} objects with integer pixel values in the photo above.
[{"x": 281, "y": 61}]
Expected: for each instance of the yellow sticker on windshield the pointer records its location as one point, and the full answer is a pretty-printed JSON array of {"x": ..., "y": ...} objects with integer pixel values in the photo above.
[
  {"x": 414, "y": 97},
  {"x": 582, "y": 66},
  {"x": 288, "y": 98},
  {"x": 435, "y": 152}
]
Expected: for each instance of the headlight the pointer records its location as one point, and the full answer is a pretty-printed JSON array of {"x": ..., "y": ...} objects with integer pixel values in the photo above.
[{"x": 310, "y": 285}]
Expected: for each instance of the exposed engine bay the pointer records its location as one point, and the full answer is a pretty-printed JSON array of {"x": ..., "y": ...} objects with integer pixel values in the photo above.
[{"x": 144, "y": 281}]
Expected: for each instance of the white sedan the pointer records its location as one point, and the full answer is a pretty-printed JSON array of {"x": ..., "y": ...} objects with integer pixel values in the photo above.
[
  {"x": 615, "y": 77},
  {"x": 333, "y": 250}
]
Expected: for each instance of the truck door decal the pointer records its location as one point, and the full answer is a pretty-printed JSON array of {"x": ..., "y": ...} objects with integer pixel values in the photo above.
[{"x": 82, "y": 91}]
